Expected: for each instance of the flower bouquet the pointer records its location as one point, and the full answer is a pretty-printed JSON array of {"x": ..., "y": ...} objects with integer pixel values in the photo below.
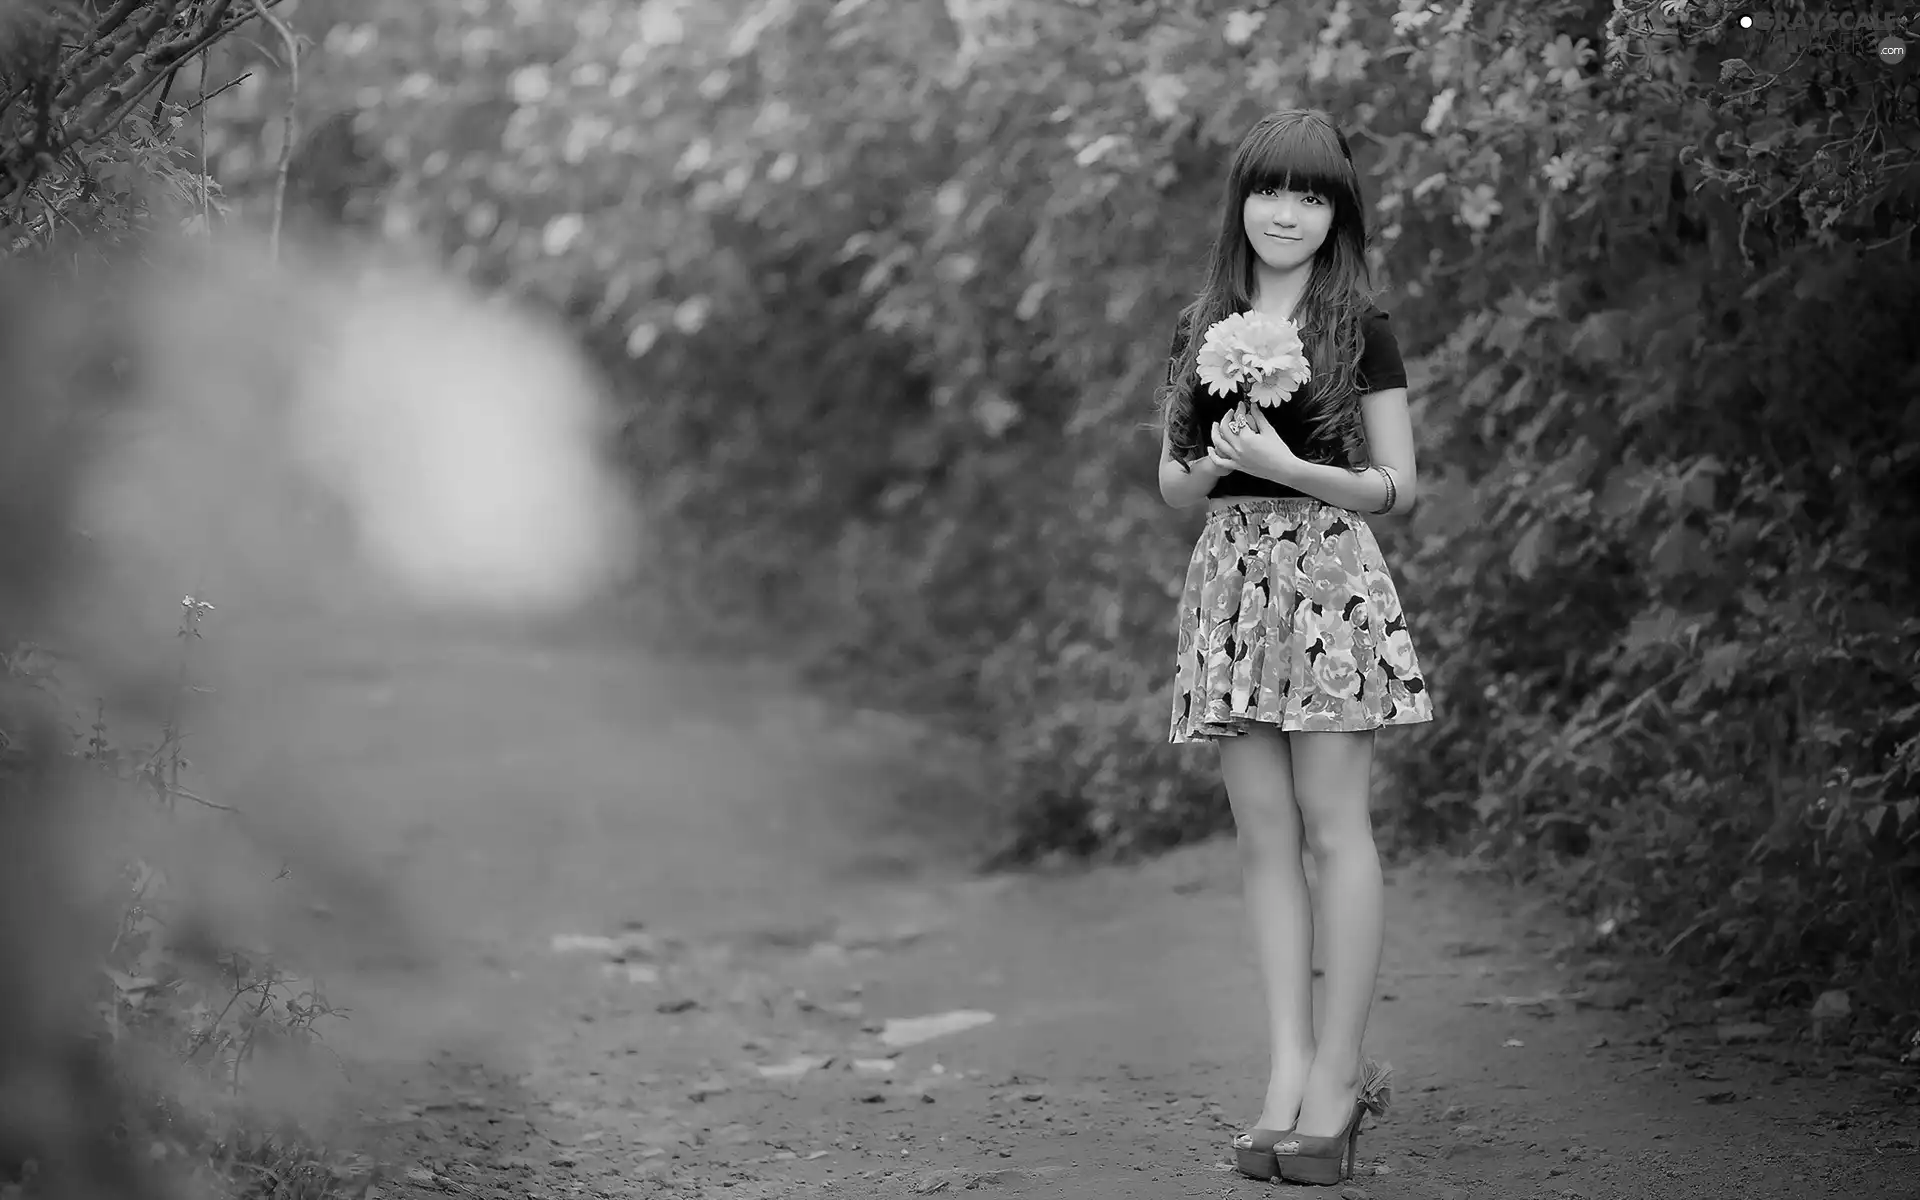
[{"x": 1259, "y": 352}]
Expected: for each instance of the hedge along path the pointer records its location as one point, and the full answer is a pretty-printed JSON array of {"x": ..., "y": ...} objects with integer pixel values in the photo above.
[{"x": 689, "y": 944}]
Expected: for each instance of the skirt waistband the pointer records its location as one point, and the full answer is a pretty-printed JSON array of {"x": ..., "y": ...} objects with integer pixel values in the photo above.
[{"x": 1264, "y": 503}]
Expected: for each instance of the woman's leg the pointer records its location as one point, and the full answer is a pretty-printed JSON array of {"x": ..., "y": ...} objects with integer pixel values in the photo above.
[
  {"x": 1259, "y": 775},
  {"x": 1332, "y": 777}
]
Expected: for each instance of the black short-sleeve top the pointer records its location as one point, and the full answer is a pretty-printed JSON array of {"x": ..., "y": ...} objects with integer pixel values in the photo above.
[{"x": 1379, "y": 369}]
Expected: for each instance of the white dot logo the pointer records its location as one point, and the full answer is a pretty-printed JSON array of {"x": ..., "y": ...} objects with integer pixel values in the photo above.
[{"x": 1891, "y": 50}]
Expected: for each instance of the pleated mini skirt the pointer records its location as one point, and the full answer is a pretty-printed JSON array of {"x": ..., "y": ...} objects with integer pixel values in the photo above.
[{"x": 1290, "y": 619}]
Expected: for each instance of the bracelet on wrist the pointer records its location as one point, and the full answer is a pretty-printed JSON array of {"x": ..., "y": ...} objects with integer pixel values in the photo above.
[{"x": 1393, "y": 491}]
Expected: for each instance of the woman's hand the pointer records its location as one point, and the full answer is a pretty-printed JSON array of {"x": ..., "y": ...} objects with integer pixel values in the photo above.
[
  {"x": 1245, "y": 441},
  {"x": 1211, "y": 464}
]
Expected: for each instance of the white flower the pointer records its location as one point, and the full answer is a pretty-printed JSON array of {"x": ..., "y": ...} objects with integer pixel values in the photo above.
[
  {"x": 1262, "y": 353},
  {"x": 530, "y": 85},
  {"x": 561, "y": 232},
  {"x": 1241, "y": 26},
  {"x": 1164, "y": 94}
]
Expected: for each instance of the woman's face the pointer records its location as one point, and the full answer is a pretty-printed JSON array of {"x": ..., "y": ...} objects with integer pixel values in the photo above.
[{"x": 1287, "y": 228}]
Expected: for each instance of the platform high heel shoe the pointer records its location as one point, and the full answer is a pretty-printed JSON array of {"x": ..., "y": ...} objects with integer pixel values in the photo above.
[
  {"x": 1253, "y": 1153},
  {"x": 1327, "y": 1161}
]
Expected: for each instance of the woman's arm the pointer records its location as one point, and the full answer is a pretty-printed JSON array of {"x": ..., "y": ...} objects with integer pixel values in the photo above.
[
  {"x": 1184, "y": 485},
  {"x": 1389, "y": 444}
]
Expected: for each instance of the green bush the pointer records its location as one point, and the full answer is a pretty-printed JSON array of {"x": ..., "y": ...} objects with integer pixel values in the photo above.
[{"x": 887, "y": 290}]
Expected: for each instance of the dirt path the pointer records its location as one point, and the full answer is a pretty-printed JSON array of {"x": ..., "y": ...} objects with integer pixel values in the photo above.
[{"x": 769, "y": 884}]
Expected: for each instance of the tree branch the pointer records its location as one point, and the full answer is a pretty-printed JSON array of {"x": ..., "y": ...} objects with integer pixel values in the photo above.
[
  {"x": 292, "y": 43},
  {"x": 126, "y": 56},
  {"x": 144, "y": 31}
]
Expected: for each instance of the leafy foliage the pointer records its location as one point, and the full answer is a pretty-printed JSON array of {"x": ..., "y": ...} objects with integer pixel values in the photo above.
[
  {"x": 214, "y": 1013},
  {"x": 80, "y": 150},
  {"x": 212, "y": 1009},
  {"x": 889, "y": 285}
]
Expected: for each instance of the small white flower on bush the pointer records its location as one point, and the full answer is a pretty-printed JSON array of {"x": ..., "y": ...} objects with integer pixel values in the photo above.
[
  {"x": 1479, "y": 206},
  {"x": 1242, "y": 25},
  {"x": 1164, "y": 95},
  {"x": 561, "y": 233},
  {"x": 690, "y": 316},
  {"x": 530, "y": 85}
]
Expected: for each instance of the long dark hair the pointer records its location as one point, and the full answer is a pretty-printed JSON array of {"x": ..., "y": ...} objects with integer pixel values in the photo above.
[{"x": 1297, "y": 150}]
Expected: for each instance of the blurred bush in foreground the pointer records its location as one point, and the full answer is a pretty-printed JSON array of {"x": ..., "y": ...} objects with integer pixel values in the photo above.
[
  {"x": 182, "y": 418},
  {"x": 165, "y": 853}
]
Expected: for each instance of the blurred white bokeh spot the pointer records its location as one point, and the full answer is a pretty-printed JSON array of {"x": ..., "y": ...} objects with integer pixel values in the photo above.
[{"x": 465, "y": 438}]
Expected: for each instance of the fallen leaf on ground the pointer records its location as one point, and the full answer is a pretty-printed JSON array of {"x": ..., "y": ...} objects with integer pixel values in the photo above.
[
  {"x": 633, "y": 944},
  {"x": 794, "y": 1067},
  {"x": 910, "y": 1031},
  {"x": 1543, "y": 1000}
]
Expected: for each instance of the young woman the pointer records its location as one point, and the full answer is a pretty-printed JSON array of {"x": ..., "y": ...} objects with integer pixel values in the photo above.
[{"x": 1292, "y": 647}]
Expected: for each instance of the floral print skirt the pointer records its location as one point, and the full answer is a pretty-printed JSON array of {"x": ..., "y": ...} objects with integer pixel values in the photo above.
[{"x": 1289, "y": 618}]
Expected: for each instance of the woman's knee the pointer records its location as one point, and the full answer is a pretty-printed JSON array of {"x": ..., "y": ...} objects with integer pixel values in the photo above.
[
  {"x": 1337, "y": 827},
  {"x": 1270, "y": 826}
]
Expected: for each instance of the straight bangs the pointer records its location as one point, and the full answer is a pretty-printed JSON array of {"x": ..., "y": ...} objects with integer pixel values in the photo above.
[{"x": 1300, "y": 156}]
